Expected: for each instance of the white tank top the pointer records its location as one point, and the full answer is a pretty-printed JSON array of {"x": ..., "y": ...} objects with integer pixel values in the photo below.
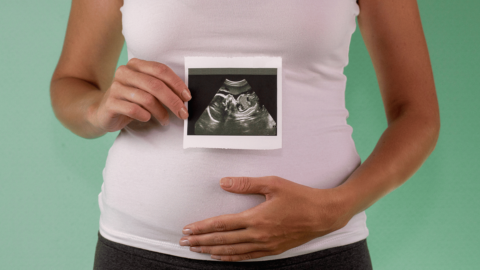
[{"x": 153, "y": 187}]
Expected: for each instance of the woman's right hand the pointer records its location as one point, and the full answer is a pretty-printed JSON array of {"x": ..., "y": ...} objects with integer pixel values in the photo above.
[{"x": 140, "y": 90}]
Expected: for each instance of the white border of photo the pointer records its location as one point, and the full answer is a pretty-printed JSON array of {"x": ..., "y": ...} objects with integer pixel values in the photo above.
[{"x": 236, "y": 142}]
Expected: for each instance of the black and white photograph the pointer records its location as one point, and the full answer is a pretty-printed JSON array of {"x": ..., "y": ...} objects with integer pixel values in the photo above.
[{"x": 236, "y": 102}]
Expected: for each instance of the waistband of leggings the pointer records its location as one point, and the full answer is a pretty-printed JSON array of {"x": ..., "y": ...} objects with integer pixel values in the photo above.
[{"x": 268, "y": 264}]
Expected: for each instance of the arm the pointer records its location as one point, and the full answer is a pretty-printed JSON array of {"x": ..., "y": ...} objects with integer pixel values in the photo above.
[
  {"x": 88, "y": 96},
  {"x": 394, "y": 38},
  {"x": 92, "y": 45}
]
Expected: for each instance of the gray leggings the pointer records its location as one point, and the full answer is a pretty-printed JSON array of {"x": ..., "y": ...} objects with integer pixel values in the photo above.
[{"x": 111, "y": 255}]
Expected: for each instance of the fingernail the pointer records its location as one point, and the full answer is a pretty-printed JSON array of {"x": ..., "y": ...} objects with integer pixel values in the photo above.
[
  {"x": 165, "y": 122},
  {"x": 183, "y": 113},
  {"x": 196, "y": 249},
  {"x": 184, "y": 243},
  {"x": 226, "y": 182},
  {"x": 186, "y": 95},
  {"x": 187, "y": 231},
  {"x": 216, "y": 257}
]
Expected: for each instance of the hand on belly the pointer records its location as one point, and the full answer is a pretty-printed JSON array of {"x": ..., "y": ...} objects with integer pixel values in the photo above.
[{"x": 292, "y": 215}]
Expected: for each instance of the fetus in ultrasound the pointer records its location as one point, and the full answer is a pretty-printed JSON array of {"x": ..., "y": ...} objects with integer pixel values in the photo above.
[{"x": 235, "y": 110}]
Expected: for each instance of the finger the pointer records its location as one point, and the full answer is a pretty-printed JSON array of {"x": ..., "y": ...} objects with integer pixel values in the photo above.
[
  {"x": 164, "y": 73},
  {"x": 237, "y": 249},
  {"x": 217, "y": 224},
  {"x": 242, "y": 257},
  {"x": 131, "y": 110},
  {"x": 155, "y": 87},
  {"x": 144, "y": 99},
  {"x": 219, "y": 238},
  {"x": 249, "y": 185}
]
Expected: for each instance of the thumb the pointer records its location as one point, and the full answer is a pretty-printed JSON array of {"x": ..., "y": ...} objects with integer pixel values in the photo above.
[{"x": 248, "y": 185}]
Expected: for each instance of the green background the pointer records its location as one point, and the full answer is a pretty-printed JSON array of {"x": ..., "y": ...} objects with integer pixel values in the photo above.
[{"x": 50, "y": 178}]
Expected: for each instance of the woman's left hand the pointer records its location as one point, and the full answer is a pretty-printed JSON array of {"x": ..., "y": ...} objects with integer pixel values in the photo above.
[{"x": 292, "y": 215}]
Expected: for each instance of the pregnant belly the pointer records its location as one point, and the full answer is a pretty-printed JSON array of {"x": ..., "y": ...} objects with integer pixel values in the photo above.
[{"x": 154, "y": 190}]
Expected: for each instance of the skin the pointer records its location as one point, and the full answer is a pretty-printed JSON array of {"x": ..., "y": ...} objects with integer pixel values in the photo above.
[{"x": 90, "y": 98}]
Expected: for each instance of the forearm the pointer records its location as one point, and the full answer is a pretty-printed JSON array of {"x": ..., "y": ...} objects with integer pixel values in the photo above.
[
  {"x": 399, "y": 153},
  {"x": 73, "y": 102}
]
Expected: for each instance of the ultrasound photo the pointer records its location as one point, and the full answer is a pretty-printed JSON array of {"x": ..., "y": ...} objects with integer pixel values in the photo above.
[
  {"x": 234, "y": 106},
  {"x": 236, "y": 109}
]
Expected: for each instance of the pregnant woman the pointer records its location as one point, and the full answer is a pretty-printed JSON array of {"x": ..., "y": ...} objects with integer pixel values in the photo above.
[{"x": 298, "y": 207}]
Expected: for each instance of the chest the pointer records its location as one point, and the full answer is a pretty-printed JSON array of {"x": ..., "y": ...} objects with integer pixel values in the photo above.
[{"x": 304, "y": 29}]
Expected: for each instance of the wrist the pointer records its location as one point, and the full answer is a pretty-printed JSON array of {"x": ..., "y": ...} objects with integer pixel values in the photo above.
[
  {"x": 345, "y": 199},
  {"x": 335, "y": 207}
]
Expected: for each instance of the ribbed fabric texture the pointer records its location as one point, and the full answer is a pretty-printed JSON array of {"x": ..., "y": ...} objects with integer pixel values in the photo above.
[{"x": 153, "y": 187}]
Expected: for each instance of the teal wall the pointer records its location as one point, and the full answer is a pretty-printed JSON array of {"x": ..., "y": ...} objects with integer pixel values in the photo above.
[{"x": 50, "y": 178}]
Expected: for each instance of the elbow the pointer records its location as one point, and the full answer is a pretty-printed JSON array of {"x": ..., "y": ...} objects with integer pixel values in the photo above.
[
  {"x": 431, "y": 125},
  {"x": 425, "y": 118},
  {"x": 435, "y": 131},
  {"x": 54, "y": 94},
  {"x": 54, "y": 100}
]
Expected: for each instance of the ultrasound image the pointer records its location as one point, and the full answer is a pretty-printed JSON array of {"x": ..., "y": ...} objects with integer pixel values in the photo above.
[{"x": 235, "y": 110}]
